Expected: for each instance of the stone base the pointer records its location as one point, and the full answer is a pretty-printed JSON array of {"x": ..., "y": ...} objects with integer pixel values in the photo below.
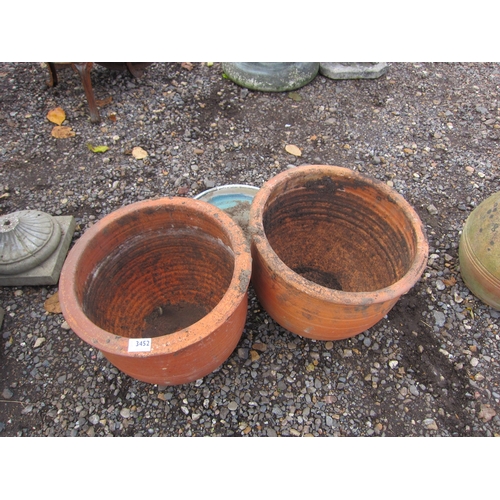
[
  {"x": 47, "y": 273},
  {"x": 352, "y": 71},
  {"x": 271, "y": 76}
]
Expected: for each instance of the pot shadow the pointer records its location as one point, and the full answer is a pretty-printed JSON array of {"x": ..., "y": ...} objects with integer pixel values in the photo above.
[{"x": 421, "y": 355}]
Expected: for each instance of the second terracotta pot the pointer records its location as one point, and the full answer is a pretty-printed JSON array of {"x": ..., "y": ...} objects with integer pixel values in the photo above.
[{"x": 333, "y": 250}]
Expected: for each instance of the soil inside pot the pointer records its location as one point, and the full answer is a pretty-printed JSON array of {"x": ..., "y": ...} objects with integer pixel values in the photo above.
[
  {"x": 170, "y": 318},
  {"x": 322, "y": 278}
]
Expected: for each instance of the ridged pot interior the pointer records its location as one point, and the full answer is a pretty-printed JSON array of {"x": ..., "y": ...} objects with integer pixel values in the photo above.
[
  {"x": 339, "y": 231},
  {"x": 153, "y": 272}
]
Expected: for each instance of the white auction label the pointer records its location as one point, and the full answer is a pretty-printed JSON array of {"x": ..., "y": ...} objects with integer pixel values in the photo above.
[{"x": 139, "y": 345}]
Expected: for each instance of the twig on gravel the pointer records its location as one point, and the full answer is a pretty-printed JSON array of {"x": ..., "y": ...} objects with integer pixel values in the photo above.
[{"x": 9, "y": 401}]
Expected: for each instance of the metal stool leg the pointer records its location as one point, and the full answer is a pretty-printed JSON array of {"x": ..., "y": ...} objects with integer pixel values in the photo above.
[{"x": 84, "y": 71}]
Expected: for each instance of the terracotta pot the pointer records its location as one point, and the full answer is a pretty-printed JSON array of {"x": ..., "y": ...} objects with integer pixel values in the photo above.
[
  {"x": 332, "y": 250},
  {"x": 479, "y": 251},
  {"x": 173, "y": 273}
]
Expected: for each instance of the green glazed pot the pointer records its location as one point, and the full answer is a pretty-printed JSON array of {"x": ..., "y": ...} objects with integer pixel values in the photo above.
[{"x": 479, "y": 251}]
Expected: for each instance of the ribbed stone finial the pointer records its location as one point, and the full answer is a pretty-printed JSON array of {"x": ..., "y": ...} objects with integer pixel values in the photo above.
[{"x": 27, "y": 238}]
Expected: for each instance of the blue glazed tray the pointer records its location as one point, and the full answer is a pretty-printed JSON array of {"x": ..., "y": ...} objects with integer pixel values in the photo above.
[{"x": 228, "y": 196}]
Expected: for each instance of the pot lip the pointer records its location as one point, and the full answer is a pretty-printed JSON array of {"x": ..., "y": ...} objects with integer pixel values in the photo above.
[
  {"x": 174, "y": 342},
  {"x": 282, "y": 271}
]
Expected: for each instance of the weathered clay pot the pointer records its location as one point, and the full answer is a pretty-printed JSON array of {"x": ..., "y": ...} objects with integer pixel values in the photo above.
[
  {"x": 172, "y": 273},
  {"x": 479, "y": 251},
  {"x": 332, "y": 250}
]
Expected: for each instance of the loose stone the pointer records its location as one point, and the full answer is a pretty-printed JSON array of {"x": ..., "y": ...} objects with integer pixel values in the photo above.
[
  {"x": 429, "y": 423},
  {"x": 125, "y": 412},
  {"x": 7, "y": 393}
]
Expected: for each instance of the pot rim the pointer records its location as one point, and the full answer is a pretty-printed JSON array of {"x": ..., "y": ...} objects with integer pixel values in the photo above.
[
  {"x": 170, "y": 343},
  {"x": 283, "y": 272}
]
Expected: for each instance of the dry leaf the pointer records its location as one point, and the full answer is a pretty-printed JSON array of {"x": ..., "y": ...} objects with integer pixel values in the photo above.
[
  {"x": 139, "y": 153},
  {"x": 97, "y": 149},
  {"x": 187, "y": 65},
  {"x": 52, "y": 304},
  {"x": 293, "y": 150},
  {"x": 112, "y": 117},
  {"x": 104, "y": 102},
  {"x": 450, "y": 282},
  {"x": 295, "y": 96},
  {"x": 254, "y": 355},
  {"x": 56, "y": 115},
  {"x": 62, "y": 132},
  {"x": 486, "y": 413}
]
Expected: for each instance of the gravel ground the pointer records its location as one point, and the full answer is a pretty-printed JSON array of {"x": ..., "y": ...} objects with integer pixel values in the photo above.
[{"x": 430, "y": 368}]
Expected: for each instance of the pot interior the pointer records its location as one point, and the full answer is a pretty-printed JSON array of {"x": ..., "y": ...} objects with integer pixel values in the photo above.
[
  {"x": 340, "y": 233},
  {"x": 147, "y": 278}
]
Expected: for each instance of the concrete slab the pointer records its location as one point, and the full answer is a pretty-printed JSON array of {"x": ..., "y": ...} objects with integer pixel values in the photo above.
[
  {"x": 47, "y": 273},
  {"x": 352, "y": 70}
]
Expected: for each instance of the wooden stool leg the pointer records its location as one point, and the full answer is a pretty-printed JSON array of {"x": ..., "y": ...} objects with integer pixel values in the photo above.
[{"x": 84, "y": 71}]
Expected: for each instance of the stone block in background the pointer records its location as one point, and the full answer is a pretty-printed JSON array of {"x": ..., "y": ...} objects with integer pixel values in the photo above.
[{"x": 352, "y": 70}]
